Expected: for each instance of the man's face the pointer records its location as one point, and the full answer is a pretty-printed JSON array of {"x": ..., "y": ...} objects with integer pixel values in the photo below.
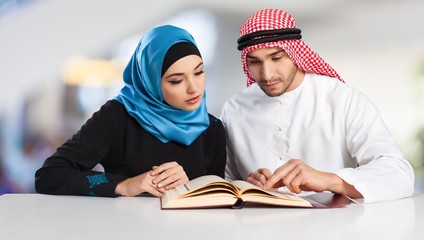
[{"x": 272, "y": 69}]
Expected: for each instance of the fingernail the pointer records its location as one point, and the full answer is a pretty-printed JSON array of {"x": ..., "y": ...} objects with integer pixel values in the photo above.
[{"x": 159, "y": 185}]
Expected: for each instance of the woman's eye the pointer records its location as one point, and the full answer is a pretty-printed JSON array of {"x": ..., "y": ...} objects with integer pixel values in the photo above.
[
  {"x": 199, "y": 73},
  {"x": 175, "y": 81}
]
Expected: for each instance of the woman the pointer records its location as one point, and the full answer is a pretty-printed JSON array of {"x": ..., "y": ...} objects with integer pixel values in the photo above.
[{"x": 155, "y": 135}]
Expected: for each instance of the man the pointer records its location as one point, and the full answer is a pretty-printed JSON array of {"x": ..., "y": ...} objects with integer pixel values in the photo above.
[{"x": 298, "y": 125}]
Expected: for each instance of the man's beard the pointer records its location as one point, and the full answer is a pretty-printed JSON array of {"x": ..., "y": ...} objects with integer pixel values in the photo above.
[
  {"x": 277, "y": 80},
  {"x": 272, "y": 93}
]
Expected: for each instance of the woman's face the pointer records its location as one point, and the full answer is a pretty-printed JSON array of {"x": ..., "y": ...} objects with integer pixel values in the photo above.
[{"x": 183, "y": 83}]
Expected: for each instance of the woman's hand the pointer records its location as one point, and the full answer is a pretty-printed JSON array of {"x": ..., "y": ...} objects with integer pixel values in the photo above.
[
  {"x": 168, "y": 175},
  {"x": 137, "y": 185}
]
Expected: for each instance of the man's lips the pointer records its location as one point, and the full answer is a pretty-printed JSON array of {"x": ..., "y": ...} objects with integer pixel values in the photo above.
[{"x": 271, "y": 84}]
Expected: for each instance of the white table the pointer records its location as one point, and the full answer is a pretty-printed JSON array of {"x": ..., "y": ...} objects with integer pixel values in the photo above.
[{"x": 37, "y": 216}]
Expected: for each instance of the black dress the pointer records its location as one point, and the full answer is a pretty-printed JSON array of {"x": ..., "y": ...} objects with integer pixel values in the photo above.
[{"x": 114, "y": 139}]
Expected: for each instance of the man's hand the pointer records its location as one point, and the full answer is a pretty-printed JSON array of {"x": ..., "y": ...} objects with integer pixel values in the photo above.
[
  {"x": 298, "y": 176},
  {"x": 259, "y": 177}
]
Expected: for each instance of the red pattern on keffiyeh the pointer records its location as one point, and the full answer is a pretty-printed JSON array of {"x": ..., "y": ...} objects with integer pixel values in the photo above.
[{"x": 300, "y": 53}]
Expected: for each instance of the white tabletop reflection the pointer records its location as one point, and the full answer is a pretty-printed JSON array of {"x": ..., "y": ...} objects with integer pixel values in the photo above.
[{"x": 24, "y": 216}]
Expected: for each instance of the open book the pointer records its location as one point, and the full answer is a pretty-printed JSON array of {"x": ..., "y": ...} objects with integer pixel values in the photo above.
[{"x": 212, "y": 191}]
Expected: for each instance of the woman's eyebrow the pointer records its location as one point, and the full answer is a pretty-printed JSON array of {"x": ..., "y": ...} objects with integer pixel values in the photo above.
[
  {"x": 200, "y": 64},
  {"x": 180, "y": 74},
  {"x": 173, "y": 75}
]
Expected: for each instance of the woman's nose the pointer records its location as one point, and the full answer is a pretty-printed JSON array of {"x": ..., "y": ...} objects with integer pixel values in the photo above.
[{"x": 192, "y": 86}]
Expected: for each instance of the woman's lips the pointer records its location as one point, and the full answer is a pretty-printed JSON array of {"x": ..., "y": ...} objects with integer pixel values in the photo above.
[{"x": 193, "y": 100}]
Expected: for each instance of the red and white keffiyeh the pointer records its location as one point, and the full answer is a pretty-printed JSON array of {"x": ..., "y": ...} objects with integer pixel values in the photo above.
[{"x": 300, "y": 53}]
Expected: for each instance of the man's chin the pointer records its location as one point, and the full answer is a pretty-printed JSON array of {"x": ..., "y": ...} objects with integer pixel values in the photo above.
[{"x": 272, "y": 93}]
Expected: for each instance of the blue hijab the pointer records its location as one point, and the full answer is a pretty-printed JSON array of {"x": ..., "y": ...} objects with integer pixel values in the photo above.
[{"x": 142, "y": 93}]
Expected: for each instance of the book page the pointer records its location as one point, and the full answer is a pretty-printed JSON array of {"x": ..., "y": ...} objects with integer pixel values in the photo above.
[
  {"x": 248, "y": 188},
  {"x": 214, "y": 191},
  {"x": 203, "y": 184},
  {"x": 205, "y": 200},
  {"x": 243, "y": 185},
  {"x": 205, "y": 191}
]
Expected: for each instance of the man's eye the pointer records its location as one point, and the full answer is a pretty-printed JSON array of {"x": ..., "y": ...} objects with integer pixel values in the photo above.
[
  {"x": 276, "y": 58},
  {"x": 253, "y": 62}
]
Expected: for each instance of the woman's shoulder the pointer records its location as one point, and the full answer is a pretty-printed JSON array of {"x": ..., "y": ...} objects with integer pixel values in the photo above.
[
  {"x": 110, "y": 111},
  {"x": 214, "y": 122},
  {"x": 216, "y": 130},
  {"x": 113, "y": 106},
  {"x": 110, "y": 108},
  {"x": 214, "y": 119}
]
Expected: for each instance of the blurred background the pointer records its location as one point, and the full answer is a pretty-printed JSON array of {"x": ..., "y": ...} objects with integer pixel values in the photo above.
[{"x": 61, "y": 60}]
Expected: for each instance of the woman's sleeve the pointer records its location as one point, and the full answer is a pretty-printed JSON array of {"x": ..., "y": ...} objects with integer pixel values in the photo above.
[{"x": 69, "y": 170}]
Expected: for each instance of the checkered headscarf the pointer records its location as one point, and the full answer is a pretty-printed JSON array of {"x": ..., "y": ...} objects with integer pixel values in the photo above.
[{"x": 300, "y": 53}]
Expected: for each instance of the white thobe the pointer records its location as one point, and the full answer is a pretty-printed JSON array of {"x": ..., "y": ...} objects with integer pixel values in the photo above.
[{"x": 327, "y": 124}]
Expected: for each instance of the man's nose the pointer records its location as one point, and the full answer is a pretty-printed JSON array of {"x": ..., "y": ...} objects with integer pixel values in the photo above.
[{"x": 267, "y": 71}]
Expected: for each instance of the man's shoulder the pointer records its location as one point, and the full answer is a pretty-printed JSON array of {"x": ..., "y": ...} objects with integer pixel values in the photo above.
[
  {"x": 241, "y": 104},
  {"x": 327, "y": 88},
  {"x": 322, "y": 79},
  {"x": 246, "y": 95},
  {"x": 322, "y": 83}
]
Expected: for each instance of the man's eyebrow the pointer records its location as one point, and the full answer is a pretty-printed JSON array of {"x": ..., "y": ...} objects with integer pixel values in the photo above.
[
  {"x": 268, "y": 55},
  {"x": 276, "y": 52},
  {"x": 251, "y": 57}
]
